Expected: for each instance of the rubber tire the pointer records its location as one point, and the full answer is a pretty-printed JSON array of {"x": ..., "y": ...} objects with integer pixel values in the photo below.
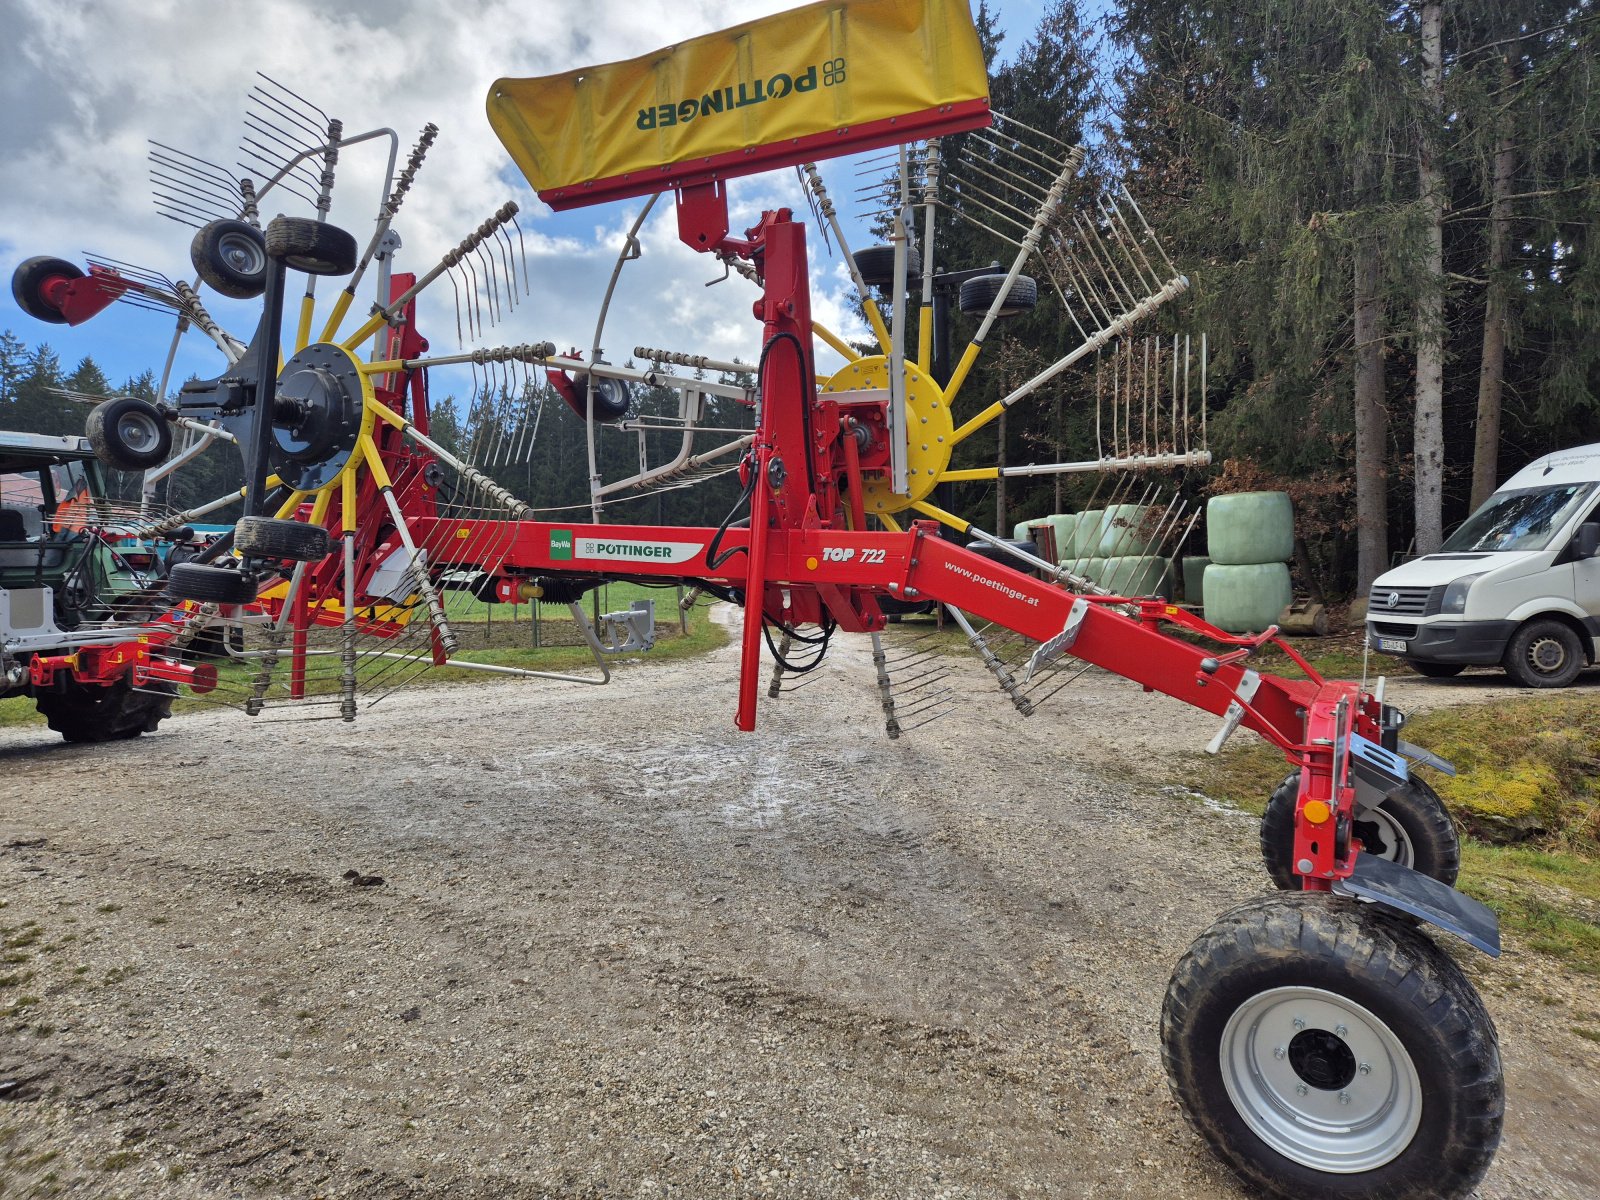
[
  {"x": 1434, "y": 670},
  {"x": 876, "y": 264},
  {"x": 110, "y": 440},
  {"x": 27, "y": 283},
  {"x": 209, "y": 254},
  {"x": 978, "y": 293},
  {"x": 106, "y": 714},
  {"x": 1519, "y": 665},
  {"x": 1435, "y": 844},
  {"x": 208, "y": 584},
  {"x": 1250, "y": 527},
  {"x": 277, "y": 538},
  {"x": 1312, "y": 939},
  {"x": 1248, "y": 598},
  {"x": 612, "y": 398},
  {"x": 314, "y": 247}
]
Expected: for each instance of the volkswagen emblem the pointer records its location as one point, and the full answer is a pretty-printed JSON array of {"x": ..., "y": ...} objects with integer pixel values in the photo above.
[{"x": 1394, "y": 600}]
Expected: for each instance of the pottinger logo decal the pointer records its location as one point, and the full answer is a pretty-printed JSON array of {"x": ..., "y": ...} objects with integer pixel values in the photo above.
[
  {"x": 628, "y": 550},
  {"x": 727, "y": 99}
]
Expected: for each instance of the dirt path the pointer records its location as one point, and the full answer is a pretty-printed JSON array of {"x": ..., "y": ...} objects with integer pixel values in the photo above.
[{"x": 622, "y": 950}]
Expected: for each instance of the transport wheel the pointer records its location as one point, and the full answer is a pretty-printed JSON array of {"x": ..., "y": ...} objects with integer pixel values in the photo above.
[
  {"x": 1434, "y": 670},
  {"x": 1543, "y": 654},
  {"x": 29, "y": 281},
  {"x": 979, "y": 292},
  {"x": 231, "y": 256},
  {"x": 129, "y": 434},
  {"x": 273, "y": 537},
  {"x": 314, "y": 247},
  {"x": 1324, "y": 1050},
  {"x": 876, "y": 264},
  {"x": 106, "y": 714},
  {"x": 1412, "y": 828},
  {"x": 206, "y": 583}
]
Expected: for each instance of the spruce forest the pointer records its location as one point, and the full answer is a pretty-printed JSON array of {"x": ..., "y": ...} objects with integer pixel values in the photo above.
[{"x": 1385, "y": 213}]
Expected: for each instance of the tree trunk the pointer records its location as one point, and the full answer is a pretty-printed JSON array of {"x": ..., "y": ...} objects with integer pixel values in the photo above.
[
  {"x": 1428, "y": 436},
  {"x": 1491, "y": 374},
  {"x": 1372, "y": 421}
]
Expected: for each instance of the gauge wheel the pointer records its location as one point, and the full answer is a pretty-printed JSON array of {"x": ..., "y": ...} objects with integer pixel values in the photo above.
[
  {"x": 876, "y": 264},
  {"x": 231, "y": 257},
  {"x": 979, "y": 292},
  {"x": 208, "y": 584},
  {"x": 30, "y": 281},
  {"x": 115, "y": 712},
  {"x": 314, "y": 247},
  {"x": 1544, "y": 654},
  {"x": 1323, "y": 1049},
  {"x": 1412, "y": 828},
  {"x": 273, "y": 537},
  {"x": 129, "y": 434}
]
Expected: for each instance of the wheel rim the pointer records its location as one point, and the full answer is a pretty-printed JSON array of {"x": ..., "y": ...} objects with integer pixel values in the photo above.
[
  {"x": 1547, "y": 656},
  {"x": 242, "y": 254},
  {"x": 1384, "y": 837},
  {"x": 1321, "y": 1079},
  {"x": 138, "y": 432}
]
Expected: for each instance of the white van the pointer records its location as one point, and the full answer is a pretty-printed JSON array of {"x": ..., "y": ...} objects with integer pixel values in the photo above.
[{"x": 1518, "y": 585}]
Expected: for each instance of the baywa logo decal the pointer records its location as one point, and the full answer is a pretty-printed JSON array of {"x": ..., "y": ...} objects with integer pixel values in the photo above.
[
  {"x": 560, "y": 543},
  {"x": 720, "y": 100}
]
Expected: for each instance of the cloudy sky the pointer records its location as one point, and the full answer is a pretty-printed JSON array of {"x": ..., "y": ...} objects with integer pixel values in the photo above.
[{"x": 83, "y": 85}]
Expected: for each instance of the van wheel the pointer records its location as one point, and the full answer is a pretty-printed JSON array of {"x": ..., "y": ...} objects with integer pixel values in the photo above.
[{"x": 1544, "y": 654}]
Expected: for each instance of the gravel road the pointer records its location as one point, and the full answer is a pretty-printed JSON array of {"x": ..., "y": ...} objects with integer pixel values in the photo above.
[{"x": 620, "y": 949}]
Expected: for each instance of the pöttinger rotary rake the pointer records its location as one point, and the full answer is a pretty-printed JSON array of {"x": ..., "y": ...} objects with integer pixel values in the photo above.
[{"x": 1316, "y": 1038}]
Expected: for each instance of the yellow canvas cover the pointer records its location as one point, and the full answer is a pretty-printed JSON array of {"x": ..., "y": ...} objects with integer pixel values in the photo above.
[{"x": 826, "y": 79}]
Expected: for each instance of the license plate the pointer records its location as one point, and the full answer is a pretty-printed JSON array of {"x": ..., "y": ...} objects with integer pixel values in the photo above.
[{"x": 1395, "y": 645}]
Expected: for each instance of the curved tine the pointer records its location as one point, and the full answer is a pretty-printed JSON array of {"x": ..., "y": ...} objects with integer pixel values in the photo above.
[
  {"x": 527, "y": 286},
  {"x": 500, "y": 235},
  {"x": 291, "y": 93},
  {"x": 472, "y": 299},
  {"x": 456, "y": 288},
  {"x": 489, "y": 272}
]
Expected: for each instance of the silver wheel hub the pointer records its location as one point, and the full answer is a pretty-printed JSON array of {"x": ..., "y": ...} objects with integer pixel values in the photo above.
[
  {"x": 1384, "y": 837},
  {"x": 1547, "y": 655},
  {"x": 1321, "y": 1079},
  {"x": 137, "y": 431}
]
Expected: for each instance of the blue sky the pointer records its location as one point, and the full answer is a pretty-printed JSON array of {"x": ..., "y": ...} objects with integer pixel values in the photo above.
[{"x": 82, "y": 87}]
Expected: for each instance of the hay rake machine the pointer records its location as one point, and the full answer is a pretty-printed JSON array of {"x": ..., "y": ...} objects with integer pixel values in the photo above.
[{"x": 1319, "y": 1042}]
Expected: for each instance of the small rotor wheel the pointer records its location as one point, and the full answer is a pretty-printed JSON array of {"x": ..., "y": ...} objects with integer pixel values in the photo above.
[
  {"x": 35, "y": 280},
  {"x": 231, "y": 258},
  {"x": 129, "y": 434},
  {"x": 314, "y": 247},
  {"x": 281, "y": 539},
  {"x": 876, "y": 264},
  {"x": 979, "y": 292},
  {"x": 206, "y": 583}
]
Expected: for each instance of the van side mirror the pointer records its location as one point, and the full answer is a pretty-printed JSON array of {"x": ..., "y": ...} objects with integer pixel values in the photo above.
[{"x": 1588, "y": 539}]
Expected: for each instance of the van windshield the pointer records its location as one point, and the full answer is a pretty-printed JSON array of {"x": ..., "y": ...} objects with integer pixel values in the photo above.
[{"x": 1526, "y": 519}]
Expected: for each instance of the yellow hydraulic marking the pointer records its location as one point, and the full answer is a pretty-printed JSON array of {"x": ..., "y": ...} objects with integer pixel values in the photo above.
[
  {"x": 837, "y": 342},
  {"x": 968, "y": 357},
  {"x": 302, "y": 336},
  {"x": 925, "y": 338},
  {"x": 970, "y": 475},
  {"x": 978, "y": 422},
  {"x": 341, "y": 305},
  {"x": 928, "y": 428},
  {"x": 939, "y": 514},
  {"x": 875, "y": 319}
]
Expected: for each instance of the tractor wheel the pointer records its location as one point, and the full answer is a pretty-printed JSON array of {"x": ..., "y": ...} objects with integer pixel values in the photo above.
[
  {"x": 1544, "y": 654},
  {"x": 113, "y": 713},
  {"x": 876, "y": 264},
  {"x": 129, "y": 434},
  {"x": 978, "y": 293},
  {"x": 314, "y": 247},
  {"x": 1326, "y": 1051},
  {"x": 272, "y": 537},
  {"x": 231, "y": 256},
  {"x": 28, "y": 283},
  {"x": 205, "y": 583},
  {"x": 1413, "y": 829}
]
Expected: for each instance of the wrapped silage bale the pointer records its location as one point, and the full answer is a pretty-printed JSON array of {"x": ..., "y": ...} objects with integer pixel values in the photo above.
[
  {"x": 1246, "y": 597},
  {"x": 1250, "y": 527}
]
